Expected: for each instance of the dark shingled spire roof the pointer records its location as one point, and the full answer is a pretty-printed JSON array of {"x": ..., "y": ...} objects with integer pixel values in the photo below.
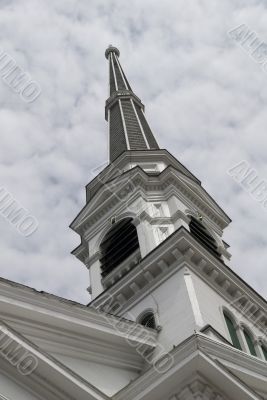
[{"x": 128, "y": 127}]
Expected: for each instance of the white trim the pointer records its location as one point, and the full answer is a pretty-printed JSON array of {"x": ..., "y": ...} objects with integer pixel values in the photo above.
[
  {"x": 109, "y": 134},
  {"x": 143, "y": 112},
  {"x": 48, "y": 361},
  {"x": 259, "y": 350},
  {"x": 140, "y": 125},
  {"x": 124, "y": 126},
  {"x": 125, "y": 83},
  {"x": 193, "y": 298},
  {"x": 197, "y": 354},
  {"x": 115, "y": 78},
  {"x": 243, "y": 327}
]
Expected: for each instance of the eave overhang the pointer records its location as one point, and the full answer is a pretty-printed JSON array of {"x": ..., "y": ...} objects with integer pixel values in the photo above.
[
  {"x": 50, "y": 379},
  {"x": 68, "y": 328},
  {"x": 169, "y": 178},
  {"x": 195, "y": 358},
  {"x": 137, "y": 156}
]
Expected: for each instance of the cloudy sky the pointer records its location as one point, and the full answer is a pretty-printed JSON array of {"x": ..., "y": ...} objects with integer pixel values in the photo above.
[{"x": 205, "y": 99}]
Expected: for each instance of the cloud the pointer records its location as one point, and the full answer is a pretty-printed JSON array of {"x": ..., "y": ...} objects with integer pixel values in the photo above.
[{"x": 205, "y": 100}]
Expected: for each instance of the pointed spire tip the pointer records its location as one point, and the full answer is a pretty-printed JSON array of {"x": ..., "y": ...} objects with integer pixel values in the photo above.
[{"x": 112, "y": 49}]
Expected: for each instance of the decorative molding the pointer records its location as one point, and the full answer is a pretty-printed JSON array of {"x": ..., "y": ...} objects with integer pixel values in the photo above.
[
  {"x": 157, "y": 210},
  {"x": 122, "y": 269},
  {"x": 137, "y": 157},
  {"x": 49, "y": 371},
  {"x": 95, "y": 217},
  {"x": 199, "y": 390},
  {"x": 163, "y": 232},
  {"x": 95, "y": 257},
  {"x": 170, "y": 178},
  {"x": 199, "y": 358},
  {"x": 163, "y": 261},
  {"x": 71, "y": 329}
]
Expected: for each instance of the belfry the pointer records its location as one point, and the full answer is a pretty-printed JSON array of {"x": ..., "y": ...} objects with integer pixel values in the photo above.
[{"x": 168, "y": 318}]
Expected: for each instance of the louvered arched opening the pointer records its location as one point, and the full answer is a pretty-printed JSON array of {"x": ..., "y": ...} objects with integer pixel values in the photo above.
[
  {"x": 202, "y": 235},
  {"x": 148, "y": 320},
  {"x": 118, "y": 244}
]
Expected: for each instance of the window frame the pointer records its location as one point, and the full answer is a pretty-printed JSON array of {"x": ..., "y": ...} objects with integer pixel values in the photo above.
[
  {"x": 249, "y": 338},
  {"x": 230, "y": 321}
]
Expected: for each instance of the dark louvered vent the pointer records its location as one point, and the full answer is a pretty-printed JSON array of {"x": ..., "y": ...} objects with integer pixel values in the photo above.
[
  {"x": 119, "y": 243},
  {"x": 148, "y": 320},
  {"x": 202, "y": 235},
  {"x": 128, "y": 127},
  {"x": 135, "y": 137},
  {"x": 117, "y": 136}
]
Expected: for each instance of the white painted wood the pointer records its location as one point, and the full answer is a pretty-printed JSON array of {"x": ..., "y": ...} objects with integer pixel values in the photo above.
[
  {"x": 109, "y": 379},
  {"x": 12, "y": 390}
]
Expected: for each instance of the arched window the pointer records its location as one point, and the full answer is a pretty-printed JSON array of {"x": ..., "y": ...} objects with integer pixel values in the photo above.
[
  {"x": 249, "y": 340},
  {"x": 232, "y": 331},
  {"x": 118, "y": 244},
  {"x": 264, "y": 350},
  {"x": 148, "y": 320},
  {"x": 202, "y": 235}
]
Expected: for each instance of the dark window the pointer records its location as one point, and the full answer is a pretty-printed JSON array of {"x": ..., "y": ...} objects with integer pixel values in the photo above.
[
  {"x": 232, "y": 332},
  {"x": 264, "y": 349},
  {"x": 148, "y": 320},
  {"x": 250, "y": 343},
  {"x": 202, "y": 235},
  {"x": 118, "y": 244}
]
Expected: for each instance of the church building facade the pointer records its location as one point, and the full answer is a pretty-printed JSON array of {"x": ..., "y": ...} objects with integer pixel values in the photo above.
[{"x": 168, "y": 318}]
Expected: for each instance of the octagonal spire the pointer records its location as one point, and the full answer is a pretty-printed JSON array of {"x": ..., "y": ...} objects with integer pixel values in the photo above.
[{"x": 128, "y": 127}]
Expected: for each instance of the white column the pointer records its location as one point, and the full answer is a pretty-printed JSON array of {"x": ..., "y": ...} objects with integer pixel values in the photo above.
[
  {"x": 95, "y": 279},
  {"x": 146, "y": 236},
  {"x": 258, "y": 348},
  {"x": 241, "y": 337}
]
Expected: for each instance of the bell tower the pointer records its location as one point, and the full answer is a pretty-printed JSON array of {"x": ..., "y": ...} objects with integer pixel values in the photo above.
[{"x": 146, "y": 219}]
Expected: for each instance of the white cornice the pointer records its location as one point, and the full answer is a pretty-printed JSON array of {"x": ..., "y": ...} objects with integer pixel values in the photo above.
[
  {"x": 138, "y": 156},
  {"x": 230, "y": 356},
  {"x": 62, "y": 326},
  {"x": 191, "y": 359},
  {"x": 180, "y": 250},
  {"x": 169, "y": 182},
  {"x": 50, "y": 375}
]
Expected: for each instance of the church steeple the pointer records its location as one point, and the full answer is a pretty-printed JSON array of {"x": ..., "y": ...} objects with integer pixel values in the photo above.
[
  {"x": 152, "y": 240},
  {"x": 128, "y": 127},
  {"x": 142, "y": 198}
]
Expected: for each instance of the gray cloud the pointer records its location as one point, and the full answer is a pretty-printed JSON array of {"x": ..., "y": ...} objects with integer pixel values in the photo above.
[{"x": 205, "y": 100}]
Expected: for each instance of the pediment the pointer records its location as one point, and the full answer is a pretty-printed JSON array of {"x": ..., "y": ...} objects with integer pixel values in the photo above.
[
  {"x": 114, "y": 191},
  {"x": 58, "y": 326},
  {"x": 201, "y": 193},
  {"x": 44, "y": 376}
]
